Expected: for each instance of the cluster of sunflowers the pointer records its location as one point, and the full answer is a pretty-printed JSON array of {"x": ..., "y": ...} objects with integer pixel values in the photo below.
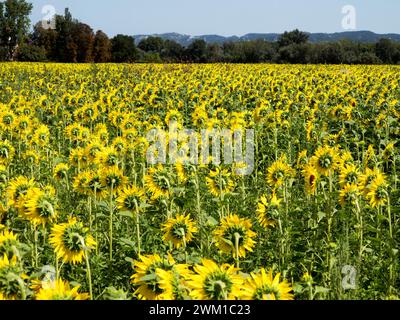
[{"x": 83, "y": 215}]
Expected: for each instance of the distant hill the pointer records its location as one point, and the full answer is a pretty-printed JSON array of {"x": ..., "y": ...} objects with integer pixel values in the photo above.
[{"x": 359, "y": 36}]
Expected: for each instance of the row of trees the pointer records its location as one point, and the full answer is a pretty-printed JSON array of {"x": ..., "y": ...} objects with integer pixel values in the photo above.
[{"x": 74, "y": 41}]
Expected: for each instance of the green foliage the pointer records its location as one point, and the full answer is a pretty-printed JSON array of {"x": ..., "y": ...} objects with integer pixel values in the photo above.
[
  {"x": 14, "y": 25},
  {"x": 31, "y": 53},
  {"x": 124, "y": 49}
]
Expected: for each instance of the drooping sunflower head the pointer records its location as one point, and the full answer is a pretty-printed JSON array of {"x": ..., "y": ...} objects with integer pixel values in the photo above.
[
  {"x": 70, "y": 241},
  {"x": 325, "y": 160},
  {"x": 213, "y": 282},
  {"x": 278, "y": 173},
  {"x": 349, "y": 194},
  {"x": 59, "y": 290},
  {"x": 368, "y": 177},
  {"x": 220, "y": 182},
  {"x": 108, "y": 157},
  {"x": 17, "y": 189},
  {"x": 173, "y": 282},
  {"x": 311, "y": 178},
  {"x": 7, "y": 152},
  {"x": 130, "y": 198},
  {"x": 179, "y": 230},
  {"x": 349, "y": 174},
  {"x": 60, "y": 171},
  {"x": 158, "y": 182},
  {"x": 145, "y": 278},
  {"x": 8, "y": 243},
  {"x": 378, "y": 192},
  {"x": 92, "y": 149},
  {"x": 234, "y": 236},
  {"x": 268, "y": 210},
  {"x": 302, "y": 159},
  {"x": 40, "y": 206},
  {"x": 113, "y": 178},
  {"x": 265, "y": 286},
  {"x": 12, "y": 279}
]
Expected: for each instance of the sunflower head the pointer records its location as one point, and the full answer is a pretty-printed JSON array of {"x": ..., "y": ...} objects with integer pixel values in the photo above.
[
  {"x": 59, "y": 290},
  {"x": 130, "y": 198},
  {"x": 213, "y": 282},
  {"x": 179, "y": 230},
  {"x": 146, "y": 278},
  {"x": 220, "y": 182},
  {"x": 265, "y": 286},
  {"x": 12, "y": 279},
  {"x": 234, "y": 236},
  {"x": 70, "y": 241}
]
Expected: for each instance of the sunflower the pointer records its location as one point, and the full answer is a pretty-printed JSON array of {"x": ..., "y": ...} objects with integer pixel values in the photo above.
[
  {"x": 302, "y": 159},
  {"x": 92, "y": 149},
  {"x": 146, "y": 278},
  {"x": 266, "y": 209},
  {"x": 17, "y": 188},
  {"x": 264, "y": 286},
  {"x": 6, "y": 152},
  {"x": 12, "y": 279},
  {"x": 8, "y": 243},
  {"x": 184, "y": 172},
  {"x": 278, "y": 172},
  {"x": 349, "y": 194},
  {"x": 213, "y": 282},
  {"x": 129, "y": 198},
  {"x": 173, "y": 116},
  {"x": 378, "y": 192},
  {"x": 234, "y": 230},
  {"x": 158, "y": 182},
  {"x": 113, "y": 178},
  {"x": 173, "y": 282},
  {"x": 81, "y": 182},
  {"x": 367, "y": 178},
  {"x": 348, "y": 175},
  {"x": 3, "y": 174},
  {"x": 41, "y": 136},
  {"x": 108, "y": 156},
  {"x": 60, "y": 171},
  {"x": 41, "y": 205},
  {"x": 311, "y": 178},
  {"x": 219, "y": 182},
  {"x": 59, "y": 290},
  {"x": 325, "y": 160},
  {"x": 179, "y": 230},
  {"x": 66, "y": 238}
]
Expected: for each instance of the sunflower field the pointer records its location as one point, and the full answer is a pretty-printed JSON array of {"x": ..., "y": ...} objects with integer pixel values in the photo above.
[{"x": 83, "y": 215}]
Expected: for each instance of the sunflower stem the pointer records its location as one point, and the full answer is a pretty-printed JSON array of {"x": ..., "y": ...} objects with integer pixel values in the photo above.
[
  {"x": 138, "y": 230},
  {"x": 110, "y": 231},
  {"x": 237, "y": 239}
]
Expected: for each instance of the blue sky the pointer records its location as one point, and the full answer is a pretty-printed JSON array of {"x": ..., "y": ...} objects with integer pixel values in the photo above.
[{"x": 225, "y": 17}]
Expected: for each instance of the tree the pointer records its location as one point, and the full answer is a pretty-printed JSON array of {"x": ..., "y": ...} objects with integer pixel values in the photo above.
[
  {"x": 197, "y": 51},
  {"x": 123, "y": 49},
  {"x": 172, "y": 51},
  {"x": 292, "y": 37},
  {"x": 101, "y": 47},
  {"x": 66, "y": 48},
  {"x": 14, "y": 25},
  {"x": 151, "y": 44},
  {"x": 83, "y": 38},
  {"x": 386, "y": 50},
  {"x": 46, "y": 39},
  {"x": 31, "y": 53}
]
